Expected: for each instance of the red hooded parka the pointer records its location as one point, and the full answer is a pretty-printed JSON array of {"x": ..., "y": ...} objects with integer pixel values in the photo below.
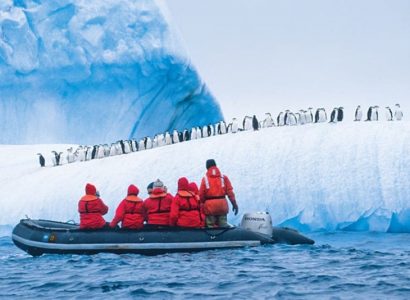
[
  {"x": 91, "y": 209},
  {"x": 158, "y": 206},
  {"x": 185, "y": 210},
  {"x": 130, "y": 212}
]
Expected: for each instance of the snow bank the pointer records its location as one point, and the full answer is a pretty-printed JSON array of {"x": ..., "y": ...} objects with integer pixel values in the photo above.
[
  {"x": 91, "y": 71},
  {"x": 346, "y": 176}
]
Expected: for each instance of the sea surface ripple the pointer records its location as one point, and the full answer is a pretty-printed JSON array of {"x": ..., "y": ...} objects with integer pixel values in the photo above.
[{"x": 339, "y": 266}]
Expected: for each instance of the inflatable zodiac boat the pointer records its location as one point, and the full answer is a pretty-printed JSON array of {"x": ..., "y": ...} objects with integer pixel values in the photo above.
[{"x": 37, "y": 237}]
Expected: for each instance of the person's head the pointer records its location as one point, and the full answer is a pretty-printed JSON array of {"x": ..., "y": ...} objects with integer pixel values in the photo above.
[
  {"x": 193, "y": 188},
  {"x": 90, "y": 189},
  {"x": 158, "y": 184},
  {"x": 133, "y": 190},
  {"x": 210, "y": 163},
  {"x": 150, "y": 187},
  {"x": 183, "y": 184}
]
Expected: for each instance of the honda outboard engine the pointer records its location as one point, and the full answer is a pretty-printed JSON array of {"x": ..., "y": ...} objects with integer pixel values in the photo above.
[{"x": 260, "y": 222}]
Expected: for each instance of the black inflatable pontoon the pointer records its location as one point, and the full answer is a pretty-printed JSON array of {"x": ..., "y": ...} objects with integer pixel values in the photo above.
[{"x": 37, "y": 237}]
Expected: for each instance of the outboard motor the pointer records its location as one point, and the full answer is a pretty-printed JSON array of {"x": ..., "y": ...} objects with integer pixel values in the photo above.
[{"x": 260, "y": 222}]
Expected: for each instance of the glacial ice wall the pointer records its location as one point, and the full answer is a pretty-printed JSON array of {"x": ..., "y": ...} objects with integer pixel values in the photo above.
[
  {"x": 346, "y": 176},
  {"x": 91, "y": 71}
]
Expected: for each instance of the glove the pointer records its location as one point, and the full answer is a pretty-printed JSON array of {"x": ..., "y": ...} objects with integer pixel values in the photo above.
[{"x": 235, "y": 208}]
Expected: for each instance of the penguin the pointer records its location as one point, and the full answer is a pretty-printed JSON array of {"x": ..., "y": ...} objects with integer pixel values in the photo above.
[
  {"x": 118, "y": 149},
  {"x": 41, "y": 160},
  {"x": 389, "y": 114},
  {"x": 268, "y": 122},
  {"x": 148, "y": 144},
  {"x": 255, "y": 123},
  {"x": 155, "y": 142},
  {"x": 113, "y": 150},
  {"x": 340, "y": 114},
  {"x": 309, "y": 115},
  {"x": 281, "y": 119},
  {"x": 291, "y": 119},
  {"x": 286, "y": 117},
  {"x": 234, "y": 126},
  {"x": 54, "y": 158},
  {"x": 168, "y": 139},
  {"x": 70, "y": 155},
  {"x": 193, "y": 133},
  {"x": 358, "y": 114},
  {"x": 222, "y": 126},
  {"x": 100, "y": 152},
  {"x": 82, "y": 152},
  {"x": 209, "y": 129},
  {"x": 161, "y": 140},
  {"x": 175, "y": 136},
  {"x": 205, "y": 131},
  {"x": 247, "y": 123},
  {"x": 398, "y": 114},
  {"x": 302, "y": 118},
  {"x": 180, "y": 137},
  {"x": 320, "y": 115},
  {"x": 187, "y": 135},
  {"x": 198, "y": 133},
  {"x": 141, "y": 145},
  {"x": 94, "y": 152},
  {"x": 334, "y": 115},
  {"x": 134, "y": 145},
  {"x": 122, "y": 146},
  {"x": 369, "y": 113}
]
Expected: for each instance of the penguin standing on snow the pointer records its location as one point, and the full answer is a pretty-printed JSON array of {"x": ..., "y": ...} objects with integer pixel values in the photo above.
[
  {"x": 255, "y": 123},
  {"x": 187, "y": 135},
  {"x": 389, "y": 114},
  {"x": 94, "y": 152},
  {"x": 268, "y": 122},
  {"x": 175, "y": 136},
  {"x": 340, "y": 114},
  {"x": 209, "y": 129},
  {"x": 281, "y": 119},
  {"x": 309, "y": 116},
  {"x": 41, "y": 160},
  {"x": 358, "y": 114},
  {"x": 168, "y": 139},
  {"x": 398, "y": 114},
  {"x": 320, "y": 115},
  {"x": 234, "y": 126},
  {"x": 247, "y": 123},
  {"x": 333, "y": 115},
  {"x": 54, "y": 158}
]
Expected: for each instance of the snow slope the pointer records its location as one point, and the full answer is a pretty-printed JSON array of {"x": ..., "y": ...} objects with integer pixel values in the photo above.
[
  {"x": 352, "y": 176},
  {"x": 91, "y": 71}
]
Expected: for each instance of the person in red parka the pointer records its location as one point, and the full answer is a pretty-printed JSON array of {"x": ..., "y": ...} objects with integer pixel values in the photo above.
[
  {"x": 91, "y": 209},
  {"x": 193, "y": 189},
  {"x": 130, "y": 212},
  {"x": 185, "y": 207},
  {"x": 213, "y": 191},
  {"x": 158, "y": 205}
]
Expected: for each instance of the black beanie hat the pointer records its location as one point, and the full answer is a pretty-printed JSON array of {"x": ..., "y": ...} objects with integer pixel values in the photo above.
[
  {"x": 150, "y": 186},
  {"x": 210, "y": 163}
]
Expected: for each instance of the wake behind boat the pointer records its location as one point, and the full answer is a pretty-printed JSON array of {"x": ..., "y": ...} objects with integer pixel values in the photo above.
[{"x": 38, "y": 237}]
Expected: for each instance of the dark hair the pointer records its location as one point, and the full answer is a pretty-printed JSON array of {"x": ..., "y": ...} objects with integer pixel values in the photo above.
[{"x": 210, "y": 163}]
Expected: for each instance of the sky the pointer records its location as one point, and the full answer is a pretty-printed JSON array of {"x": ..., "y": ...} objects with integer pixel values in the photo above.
[{"x": 262, "y": 56}]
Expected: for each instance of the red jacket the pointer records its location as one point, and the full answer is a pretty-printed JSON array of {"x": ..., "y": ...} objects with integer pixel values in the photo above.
[
  {"x": 193, "y": 188},
  {"x": 213, "y": 191},
  {"x": 185, "y": 210},
  {"x": 91, "y": 209},
  {"x": 158, "y": 207},
  {"x": 130, "y": 212}
]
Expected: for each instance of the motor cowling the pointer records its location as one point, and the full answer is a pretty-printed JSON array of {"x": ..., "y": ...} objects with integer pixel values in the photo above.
[{"x": 260, "y": 222}]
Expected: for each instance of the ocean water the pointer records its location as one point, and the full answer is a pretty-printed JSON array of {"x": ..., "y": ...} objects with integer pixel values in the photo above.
[{"x": 341, "y": 265}]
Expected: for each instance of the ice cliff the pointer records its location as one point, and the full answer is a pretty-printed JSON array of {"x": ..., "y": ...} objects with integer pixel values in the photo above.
[
  {"x": 91, "y": 71},
  {"x": 347, "y": 176}
]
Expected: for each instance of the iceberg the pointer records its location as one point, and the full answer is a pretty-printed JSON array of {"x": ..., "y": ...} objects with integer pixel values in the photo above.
[
  {"x": 90, "y": 71},
  {"x": 351, "y": 176}
]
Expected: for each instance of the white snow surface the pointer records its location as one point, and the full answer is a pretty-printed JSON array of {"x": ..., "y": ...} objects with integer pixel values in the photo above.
[
  {"x": 87, "y": 71},
  {"x": 351, "y": 176}
]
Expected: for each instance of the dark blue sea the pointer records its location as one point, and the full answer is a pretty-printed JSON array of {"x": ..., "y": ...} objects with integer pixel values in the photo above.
[{"x": 341, "y": 265}]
